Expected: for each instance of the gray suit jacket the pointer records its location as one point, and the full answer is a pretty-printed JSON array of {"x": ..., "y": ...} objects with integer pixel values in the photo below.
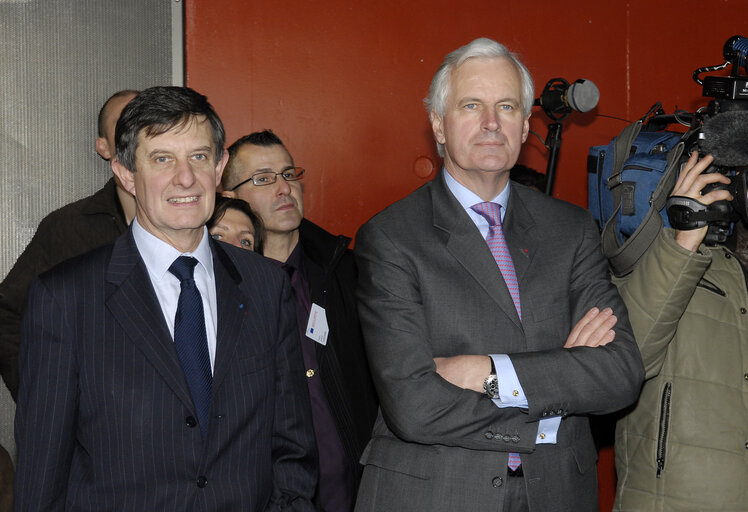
[
  {"x": 105, "y": 419},
  {"x": 429, "y": 287}
]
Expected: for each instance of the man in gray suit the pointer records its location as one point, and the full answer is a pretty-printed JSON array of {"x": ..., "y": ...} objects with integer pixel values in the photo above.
[{"x": 491, "y": 337}]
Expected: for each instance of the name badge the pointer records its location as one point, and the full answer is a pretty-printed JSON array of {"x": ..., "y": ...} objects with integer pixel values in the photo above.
[{"x": 317, "y": 328}]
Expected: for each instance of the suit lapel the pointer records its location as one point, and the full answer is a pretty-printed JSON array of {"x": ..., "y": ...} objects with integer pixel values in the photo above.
[
  {"x": 468, "y": 247},
  {"x": 231, "y": 304},
  {"x": 135, "y": 307},
  {"x": 518, "y": 225}
]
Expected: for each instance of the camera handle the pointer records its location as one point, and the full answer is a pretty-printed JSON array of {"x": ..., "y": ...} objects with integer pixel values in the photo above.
[{"x": 686, "y": 213}]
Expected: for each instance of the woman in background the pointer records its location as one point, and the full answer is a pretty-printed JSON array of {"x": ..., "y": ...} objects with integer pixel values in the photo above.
[{"x": 234, "y": 222}]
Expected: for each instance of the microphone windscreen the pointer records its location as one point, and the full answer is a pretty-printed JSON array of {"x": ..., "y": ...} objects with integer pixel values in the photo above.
[
  {"x": 583, "y": 95},
  {"x": 725, "y": 136}
]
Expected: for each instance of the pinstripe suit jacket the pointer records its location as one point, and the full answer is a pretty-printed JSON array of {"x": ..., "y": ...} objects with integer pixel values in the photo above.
[
  {"x": 429, "y": 287},
  {"x": 105, "y": 420}
]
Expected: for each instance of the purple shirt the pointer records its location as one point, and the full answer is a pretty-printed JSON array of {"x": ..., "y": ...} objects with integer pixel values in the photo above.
[{"x": 335, "y": 478}]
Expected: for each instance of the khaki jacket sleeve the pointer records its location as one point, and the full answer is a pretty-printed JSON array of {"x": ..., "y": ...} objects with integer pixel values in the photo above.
[{"x": 657, "y": 293}]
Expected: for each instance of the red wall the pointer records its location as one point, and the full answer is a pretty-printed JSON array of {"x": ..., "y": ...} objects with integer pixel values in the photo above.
[{"x": 342, "y": 83}]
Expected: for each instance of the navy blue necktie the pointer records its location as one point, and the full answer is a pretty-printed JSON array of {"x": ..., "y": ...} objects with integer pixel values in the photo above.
[{"x": 191, "y": 341}]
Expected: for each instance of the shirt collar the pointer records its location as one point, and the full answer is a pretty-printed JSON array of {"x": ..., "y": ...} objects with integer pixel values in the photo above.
[
  {"x": 159, "y": 255},
  {"x": 295, "y": 260},
  {"x": 468, "y": 198}
]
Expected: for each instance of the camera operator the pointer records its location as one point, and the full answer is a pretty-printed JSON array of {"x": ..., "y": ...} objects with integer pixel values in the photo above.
[{"x": 683, "y": 445}]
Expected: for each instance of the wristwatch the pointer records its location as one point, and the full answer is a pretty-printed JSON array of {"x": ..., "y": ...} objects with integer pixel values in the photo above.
[{"x": 491, "y": 384}]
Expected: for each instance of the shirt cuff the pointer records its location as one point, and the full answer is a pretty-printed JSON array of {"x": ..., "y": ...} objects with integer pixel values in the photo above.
[
  {"x": 511, "y": 393},
  {"x": 548, "y": 430}
]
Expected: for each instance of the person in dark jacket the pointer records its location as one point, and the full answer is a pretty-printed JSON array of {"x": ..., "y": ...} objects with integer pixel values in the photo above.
[
  {"x": 344, "y": 404},
  {"x": 74, "y": 229},
  {"x": 163, "y": 371}
]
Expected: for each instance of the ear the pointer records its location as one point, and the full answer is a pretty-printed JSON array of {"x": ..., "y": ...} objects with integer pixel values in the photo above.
[
  {"x": 220, "y": 167},
  {"x": 126, "y": 176},
  {"x": 229, "y": 193},
  {"x": 437, "y": 126},
  {"x": 526, "y": 129},
  {"x": 102, "y": 148}
]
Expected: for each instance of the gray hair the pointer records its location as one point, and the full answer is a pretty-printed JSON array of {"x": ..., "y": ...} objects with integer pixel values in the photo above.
[{"x": 483, "y": 48}]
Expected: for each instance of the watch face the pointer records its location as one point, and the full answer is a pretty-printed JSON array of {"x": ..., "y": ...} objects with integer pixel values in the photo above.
[{"x": 491, "y": 386}]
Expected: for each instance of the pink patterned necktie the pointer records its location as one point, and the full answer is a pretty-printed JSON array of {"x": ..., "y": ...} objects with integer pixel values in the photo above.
[{"x": 497, "y": 244}]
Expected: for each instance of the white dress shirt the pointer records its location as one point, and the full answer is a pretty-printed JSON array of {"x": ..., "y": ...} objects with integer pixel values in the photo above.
[{"x": 158, "y": 257}]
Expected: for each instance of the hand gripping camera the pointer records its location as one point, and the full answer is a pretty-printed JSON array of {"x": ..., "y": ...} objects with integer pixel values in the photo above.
[{"x": 722, "y": 130}]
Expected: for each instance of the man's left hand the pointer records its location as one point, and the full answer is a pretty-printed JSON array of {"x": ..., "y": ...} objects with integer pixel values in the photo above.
[{"x": 594, "y": 329}]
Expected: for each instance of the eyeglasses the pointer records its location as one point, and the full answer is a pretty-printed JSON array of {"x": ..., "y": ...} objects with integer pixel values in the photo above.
[{"x": 262, "y": 178}]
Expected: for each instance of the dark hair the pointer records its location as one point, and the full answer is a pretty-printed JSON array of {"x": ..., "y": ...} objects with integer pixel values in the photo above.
[
  {"x": 264, "y": 138},
  {"x": 105, "y": 107},
  {"x": 156, "y": 111},
  {"x": 234, "y": 203}
]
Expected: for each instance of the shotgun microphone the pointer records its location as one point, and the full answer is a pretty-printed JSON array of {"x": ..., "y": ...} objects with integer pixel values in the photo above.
[
  {"x": 559, "y": 97},
  {"x": 725, "y": 136}
]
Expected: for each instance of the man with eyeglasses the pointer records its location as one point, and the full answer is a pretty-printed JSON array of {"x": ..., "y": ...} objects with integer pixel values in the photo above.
[{"x": 344, "y": 405}]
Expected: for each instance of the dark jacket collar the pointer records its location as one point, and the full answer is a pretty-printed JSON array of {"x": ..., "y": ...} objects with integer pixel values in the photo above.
[
  {"x": 321, "y": 247},
  {"x": 105, "y": 201},
  {"x": 133, "y": 302},
  {"x": 464, "y": 238}
]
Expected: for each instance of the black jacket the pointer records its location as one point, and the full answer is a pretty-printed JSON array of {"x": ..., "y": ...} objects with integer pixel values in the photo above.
[
  {"x": 74, "y": 229},
  {"x": 344, "y": 369}
]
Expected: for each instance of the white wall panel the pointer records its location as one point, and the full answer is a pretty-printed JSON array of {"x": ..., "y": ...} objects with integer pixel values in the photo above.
[{"x": 59, "y": 61}]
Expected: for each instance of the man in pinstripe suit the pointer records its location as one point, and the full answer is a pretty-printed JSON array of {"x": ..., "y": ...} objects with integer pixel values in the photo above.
[{"x": 108, "y": 413}]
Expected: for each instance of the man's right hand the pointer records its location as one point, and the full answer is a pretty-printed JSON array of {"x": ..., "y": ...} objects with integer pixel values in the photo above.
[
  {"x": 690, "y": 183},
  {"x": 594, "y": 329}
]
